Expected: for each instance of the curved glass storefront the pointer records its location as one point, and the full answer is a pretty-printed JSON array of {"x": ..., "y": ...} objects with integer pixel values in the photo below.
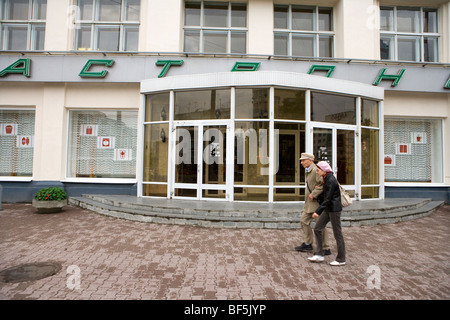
[{"x": 238, "y": 137}]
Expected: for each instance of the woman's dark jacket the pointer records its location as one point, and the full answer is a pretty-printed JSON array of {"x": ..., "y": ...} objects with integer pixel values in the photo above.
[{"x": 331, "y": 195}]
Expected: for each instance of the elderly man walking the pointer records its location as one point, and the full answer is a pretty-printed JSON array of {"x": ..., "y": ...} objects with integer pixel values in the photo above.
[{"x": 314, "y": 187}]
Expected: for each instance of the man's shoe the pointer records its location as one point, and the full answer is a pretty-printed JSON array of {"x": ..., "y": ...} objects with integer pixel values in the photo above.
[
  {"x": 304, "y": 247},
  {"x": 326, "y": 252},
  {"x": 316, "y": 258},
  {"x": 337, "y": 263}
]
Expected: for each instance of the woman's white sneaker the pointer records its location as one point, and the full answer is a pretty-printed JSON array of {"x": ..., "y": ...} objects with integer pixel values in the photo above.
[
  {"x": 316, "y": 258},
  {"x": 337, "y": 263}
]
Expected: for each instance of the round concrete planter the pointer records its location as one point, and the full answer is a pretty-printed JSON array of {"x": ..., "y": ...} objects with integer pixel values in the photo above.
[{"x": 49, "y": 206}]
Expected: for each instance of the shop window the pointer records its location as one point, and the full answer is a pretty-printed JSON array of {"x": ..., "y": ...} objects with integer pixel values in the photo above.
[
  {"x": 156, "y": 149},
  {"x": 333, "y": 108},
  {"x": 22, "y": 24},
  {"x": 16, "y": 142},
  {"x": 251, "y": 194},
  {"x": 202, "y": 104},
  {"x": 409, "y": 33},
  {"x": 338, "y": 136},
  {"x": 252, "y": 103},
  {"x": 289, "y": 194},
  {"x": 370, "y": 192},
  {"x": 154, "y": 190},
  {"x": 251, "y": 153},
  {"x": 370, "y": 162},
  {"x": 215, "y": 27},
  {"x": 157, "y": 107},
  {"x": 156, "y": 144},
  {"x": 370, "y": 143},
  {"x": 305, "y": 31},
  {"x": 345, "y": 156},
  {"x": 369, "y": 113},
  {"x": 102, "y": 144},
  {"x": 369, "y": 156},
  {"x": 413, "y": 151},
  {"x": 289, "y": 104},
  {"x": 291, "y": 143},
  {"x": 107, "y": 25},
  {"x": 251, "y": 160},
  {"x": 289, "y": 175}
]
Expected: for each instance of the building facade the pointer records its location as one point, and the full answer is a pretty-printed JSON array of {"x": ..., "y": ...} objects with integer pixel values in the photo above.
[{"x": 216, "y": 100}]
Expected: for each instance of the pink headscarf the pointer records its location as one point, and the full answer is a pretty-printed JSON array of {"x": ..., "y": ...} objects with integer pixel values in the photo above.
[{"x": 324, "y": 166}]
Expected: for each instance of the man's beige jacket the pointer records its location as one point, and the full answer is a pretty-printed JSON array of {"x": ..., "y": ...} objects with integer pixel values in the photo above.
[{"x": 315, "y": 184}]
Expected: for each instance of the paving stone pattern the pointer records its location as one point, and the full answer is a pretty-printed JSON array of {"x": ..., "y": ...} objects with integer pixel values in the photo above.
[{"x": 121, "y": 259}]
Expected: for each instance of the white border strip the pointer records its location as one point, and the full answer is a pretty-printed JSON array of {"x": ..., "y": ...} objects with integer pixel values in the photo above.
[{"x": 262, "y": 78}]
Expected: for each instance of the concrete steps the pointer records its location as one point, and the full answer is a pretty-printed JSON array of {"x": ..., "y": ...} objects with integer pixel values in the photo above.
[{"x": 247, "y": 215}]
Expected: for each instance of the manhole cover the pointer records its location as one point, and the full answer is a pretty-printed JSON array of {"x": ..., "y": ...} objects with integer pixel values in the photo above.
[{"x": 29, "y": 272}]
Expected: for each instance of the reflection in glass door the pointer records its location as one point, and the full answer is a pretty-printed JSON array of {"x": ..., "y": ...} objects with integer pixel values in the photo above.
[
  {"x": 288, "y": 153},
  {"x": 186, "y": 164},
  {"x": 323, "y": 144},
  {"x": 214, "y": 162},
  {"x": 289, "y": 173},
  {"x": 337, "y": 146}
]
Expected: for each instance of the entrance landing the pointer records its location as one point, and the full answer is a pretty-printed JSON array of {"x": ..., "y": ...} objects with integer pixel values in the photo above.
[{"x": 245, "y": 214}]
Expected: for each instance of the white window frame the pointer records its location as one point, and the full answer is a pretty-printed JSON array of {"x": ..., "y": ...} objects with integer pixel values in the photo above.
[
  {"x": 420, "y": 47},
  {"x": 315, "y": 33},
  {"x": 229, "y": 29},
  {"x": 31, "y": 23},
  {"x": 94, "y": 23}
]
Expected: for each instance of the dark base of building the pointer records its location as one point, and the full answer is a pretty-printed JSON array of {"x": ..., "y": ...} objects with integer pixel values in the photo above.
[
  {"x": 14, "y": 192},
  {"x": 435, "y": 193}
]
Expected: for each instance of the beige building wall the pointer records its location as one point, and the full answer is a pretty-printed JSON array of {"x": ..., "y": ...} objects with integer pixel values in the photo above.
[
  {"x": 59, "y": 25},
  {"x": 444, "y": 25},
  {"x": 357, "y": 26},
  {"x": 161, "y": 26},
  {"x": 260, "y": 27}
]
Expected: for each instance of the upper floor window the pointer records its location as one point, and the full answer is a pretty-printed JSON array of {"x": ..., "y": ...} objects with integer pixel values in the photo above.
[
  {"x": 22, "y": 24},
  {"x": 304, "y": 31},
  {"x": 215, "y": 27},
  {"x": 107, "y": 25},
  {"x": 409, "y": 33}
]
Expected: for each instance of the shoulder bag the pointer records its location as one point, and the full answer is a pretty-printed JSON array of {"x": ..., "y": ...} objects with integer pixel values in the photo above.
[{"x": 345, "y": 197}]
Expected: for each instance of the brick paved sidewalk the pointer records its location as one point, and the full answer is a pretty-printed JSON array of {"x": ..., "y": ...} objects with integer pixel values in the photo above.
[{"x": 120, "y": 259}]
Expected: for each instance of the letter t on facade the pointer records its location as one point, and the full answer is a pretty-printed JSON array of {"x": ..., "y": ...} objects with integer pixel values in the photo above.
[{"x": 166, "y": 65}]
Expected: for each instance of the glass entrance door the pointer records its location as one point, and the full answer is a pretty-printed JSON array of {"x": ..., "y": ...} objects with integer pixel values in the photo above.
[
  {"x": 186, "y": 162},
  {"x": 200, "y": 170},
  {"x": 288, "y": 173},
  {"x": 336, "y": 145},
  {"x": 214, "y": 169}
]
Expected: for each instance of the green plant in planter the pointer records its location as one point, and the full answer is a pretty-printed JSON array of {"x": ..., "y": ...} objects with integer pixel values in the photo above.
[
  {"x": 50, "y": 200},
  {"x": 51, "y": 194}
]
